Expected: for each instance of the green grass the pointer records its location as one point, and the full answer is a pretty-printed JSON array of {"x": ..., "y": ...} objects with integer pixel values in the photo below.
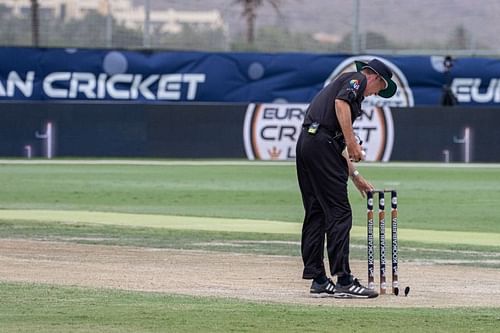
[
  {"x": 241, "y": 242},
  {"x": 46, "y": 309},
  {"x": 221, "y": 191},
  {"x": 455, "y": 199},
  {"x": 460, "y": 203},
  {"x": 458, "y": 200},
  {"x": 233, "y": 225},
  {"x": 446, "y": 198}
]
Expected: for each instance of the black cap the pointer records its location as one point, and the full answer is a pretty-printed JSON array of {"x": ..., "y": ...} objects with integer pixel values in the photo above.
[{"x": 381, "y": 69}]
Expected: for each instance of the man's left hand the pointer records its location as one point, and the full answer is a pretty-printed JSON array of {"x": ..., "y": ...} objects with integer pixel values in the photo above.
[{"x": 362, "y": 184}]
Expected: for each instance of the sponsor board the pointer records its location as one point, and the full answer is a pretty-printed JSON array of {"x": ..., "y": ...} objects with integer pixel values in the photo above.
[
  {"x": 469, "y": 90},
  {"x": 78, "y": 85},
  {"x": 376, "y": 129},
  {"x": 271, "y": 130}
]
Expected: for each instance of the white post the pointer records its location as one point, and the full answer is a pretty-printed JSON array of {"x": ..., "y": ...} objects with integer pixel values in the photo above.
[
  {"x": 466, "y": 141},
  {"x": 446, "y": 154},
  {"x": 467, "y": 144},
  {"x": 27, "y": 151},
  {"x": 49, "y": 139}
]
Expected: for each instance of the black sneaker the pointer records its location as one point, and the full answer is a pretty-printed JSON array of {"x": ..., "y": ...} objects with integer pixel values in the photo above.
[
  {"x": 354, "y": 290},
  {"x": 326, "y": 289}
]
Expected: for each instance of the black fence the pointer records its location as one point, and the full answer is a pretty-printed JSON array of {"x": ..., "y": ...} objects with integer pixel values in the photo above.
[
  {"x": 122, "y": 130},
  {"x": 457, "y": 134},
  {"x": 176, "y": 130}
]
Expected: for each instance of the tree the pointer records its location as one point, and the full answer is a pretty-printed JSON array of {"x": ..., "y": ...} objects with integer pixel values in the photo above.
[{"x": 250, "y": 14}]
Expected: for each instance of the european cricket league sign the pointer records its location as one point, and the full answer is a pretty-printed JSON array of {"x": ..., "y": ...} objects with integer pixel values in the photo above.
[
  {"x": 57, "y": 74},
  {"x": 271, "y": 130}
]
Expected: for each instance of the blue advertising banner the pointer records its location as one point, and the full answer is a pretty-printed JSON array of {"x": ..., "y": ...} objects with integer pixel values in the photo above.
[{"x": 162, "y": 76}]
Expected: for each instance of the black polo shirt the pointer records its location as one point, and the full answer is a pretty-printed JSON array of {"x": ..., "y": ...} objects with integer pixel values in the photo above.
[{"x": 348, "y": 87}]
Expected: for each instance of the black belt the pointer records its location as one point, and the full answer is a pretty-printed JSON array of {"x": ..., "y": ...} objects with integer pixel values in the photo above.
[{"x": 336, "y": 135}]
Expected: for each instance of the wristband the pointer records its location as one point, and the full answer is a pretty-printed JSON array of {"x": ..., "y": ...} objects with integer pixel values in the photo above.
[{"x": 355, "y": 173}]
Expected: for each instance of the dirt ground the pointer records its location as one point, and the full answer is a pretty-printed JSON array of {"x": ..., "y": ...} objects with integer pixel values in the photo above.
[{"x": 243, "y": 276}]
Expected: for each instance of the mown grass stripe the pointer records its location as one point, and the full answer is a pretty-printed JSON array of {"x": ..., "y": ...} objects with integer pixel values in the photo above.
[{"x": 233, "y": 225}]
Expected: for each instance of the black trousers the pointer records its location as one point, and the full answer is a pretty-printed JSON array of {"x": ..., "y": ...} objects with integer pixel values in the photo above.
[{"x": 323, "y": 173}]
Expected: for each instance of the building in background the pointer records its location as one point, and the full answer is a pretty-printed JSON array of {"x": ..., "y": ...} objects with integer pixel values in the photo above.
[
  {"x": 165, "y": 21},
  {"x": 449, "y": 27}
]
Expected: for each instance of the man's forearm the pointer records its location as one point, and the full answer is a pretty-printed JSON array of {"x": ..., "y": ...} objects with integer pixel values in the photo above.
[{"x": 343, "y": 111}]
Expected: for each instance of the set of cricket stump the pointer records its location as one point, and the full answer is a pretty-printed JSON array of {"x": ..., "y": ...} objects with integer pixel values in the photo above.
[{"x": 382, "y": 241}]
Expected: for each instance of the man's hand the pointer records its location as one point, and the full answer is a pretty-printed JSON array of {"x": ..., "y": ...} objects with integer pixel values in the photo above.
[
  {"x": 362, "y": 184},
  {"x": 355, "y": 151},
  {"x": 349, "y": 157}
]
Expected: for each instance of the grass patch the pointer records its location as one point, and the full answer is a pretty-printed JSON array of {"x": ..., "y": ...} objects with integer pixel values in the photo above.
[
  {"x": 454, "y": 199},
  {"x": 238, "y": 242},
  {"x": 218, "y": 191},
  {"x": 44, "y": 309}
]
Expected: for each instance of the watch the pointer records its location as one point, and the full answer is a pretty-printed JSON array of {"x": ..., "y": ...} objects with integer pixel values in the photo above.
[{"x": 355, "y": 173}]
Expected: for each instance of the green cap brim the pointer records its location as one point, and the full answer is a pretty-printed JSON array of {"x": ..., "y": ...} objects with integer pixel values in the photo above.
[{"x": 390, "y": 90}]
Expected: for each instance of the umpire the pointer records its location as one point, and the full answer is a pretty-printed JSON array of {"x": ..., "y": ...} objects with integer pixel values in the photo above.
[{"x": 326, "y": 149}]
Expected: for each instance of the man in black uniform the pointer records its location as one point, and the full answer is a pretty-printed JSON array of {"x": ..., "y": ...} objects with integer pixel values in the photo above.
[{"x": 326, "y": 149}]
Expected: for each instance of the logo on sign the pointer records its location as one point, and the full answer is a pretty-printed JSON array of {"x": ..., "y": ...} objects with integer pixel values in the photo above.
[{"x": 271, "y": 130}]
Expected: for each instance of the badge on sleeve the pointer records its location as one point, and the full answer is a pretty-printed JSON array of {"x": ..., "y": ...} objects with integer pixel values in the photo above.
[
  {"x": 354, "y": 84},
  {"x": 352, "y": 91}
]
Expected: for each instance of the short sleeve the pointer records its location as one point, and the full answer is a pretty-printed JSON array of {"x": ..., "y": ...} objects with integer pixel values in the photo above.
[{"x": 352, "y": 88}]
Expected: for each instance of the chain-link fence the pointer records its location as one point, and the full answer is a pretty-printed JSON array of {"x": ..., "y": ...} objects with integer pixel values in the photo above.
[{"x": 457, "y": 27}]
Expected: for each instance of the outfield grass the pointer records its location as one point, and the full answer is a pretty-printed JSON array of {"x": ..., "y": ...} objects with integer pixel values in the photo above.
[
  {"x": 219, "y": 191},
  {"x": 451, "y": 209},
  {"x": 45, "y": 309},
  {"x": 432, "y": 198},
  {"x": 457, "y": 202}
]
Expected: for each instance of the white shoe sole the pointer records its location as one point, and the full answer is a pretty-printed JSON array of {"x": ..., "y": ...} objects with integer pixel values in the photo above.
[
  {"x": 349, "y": 295},
  {"x": 321, "y": 295}
]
